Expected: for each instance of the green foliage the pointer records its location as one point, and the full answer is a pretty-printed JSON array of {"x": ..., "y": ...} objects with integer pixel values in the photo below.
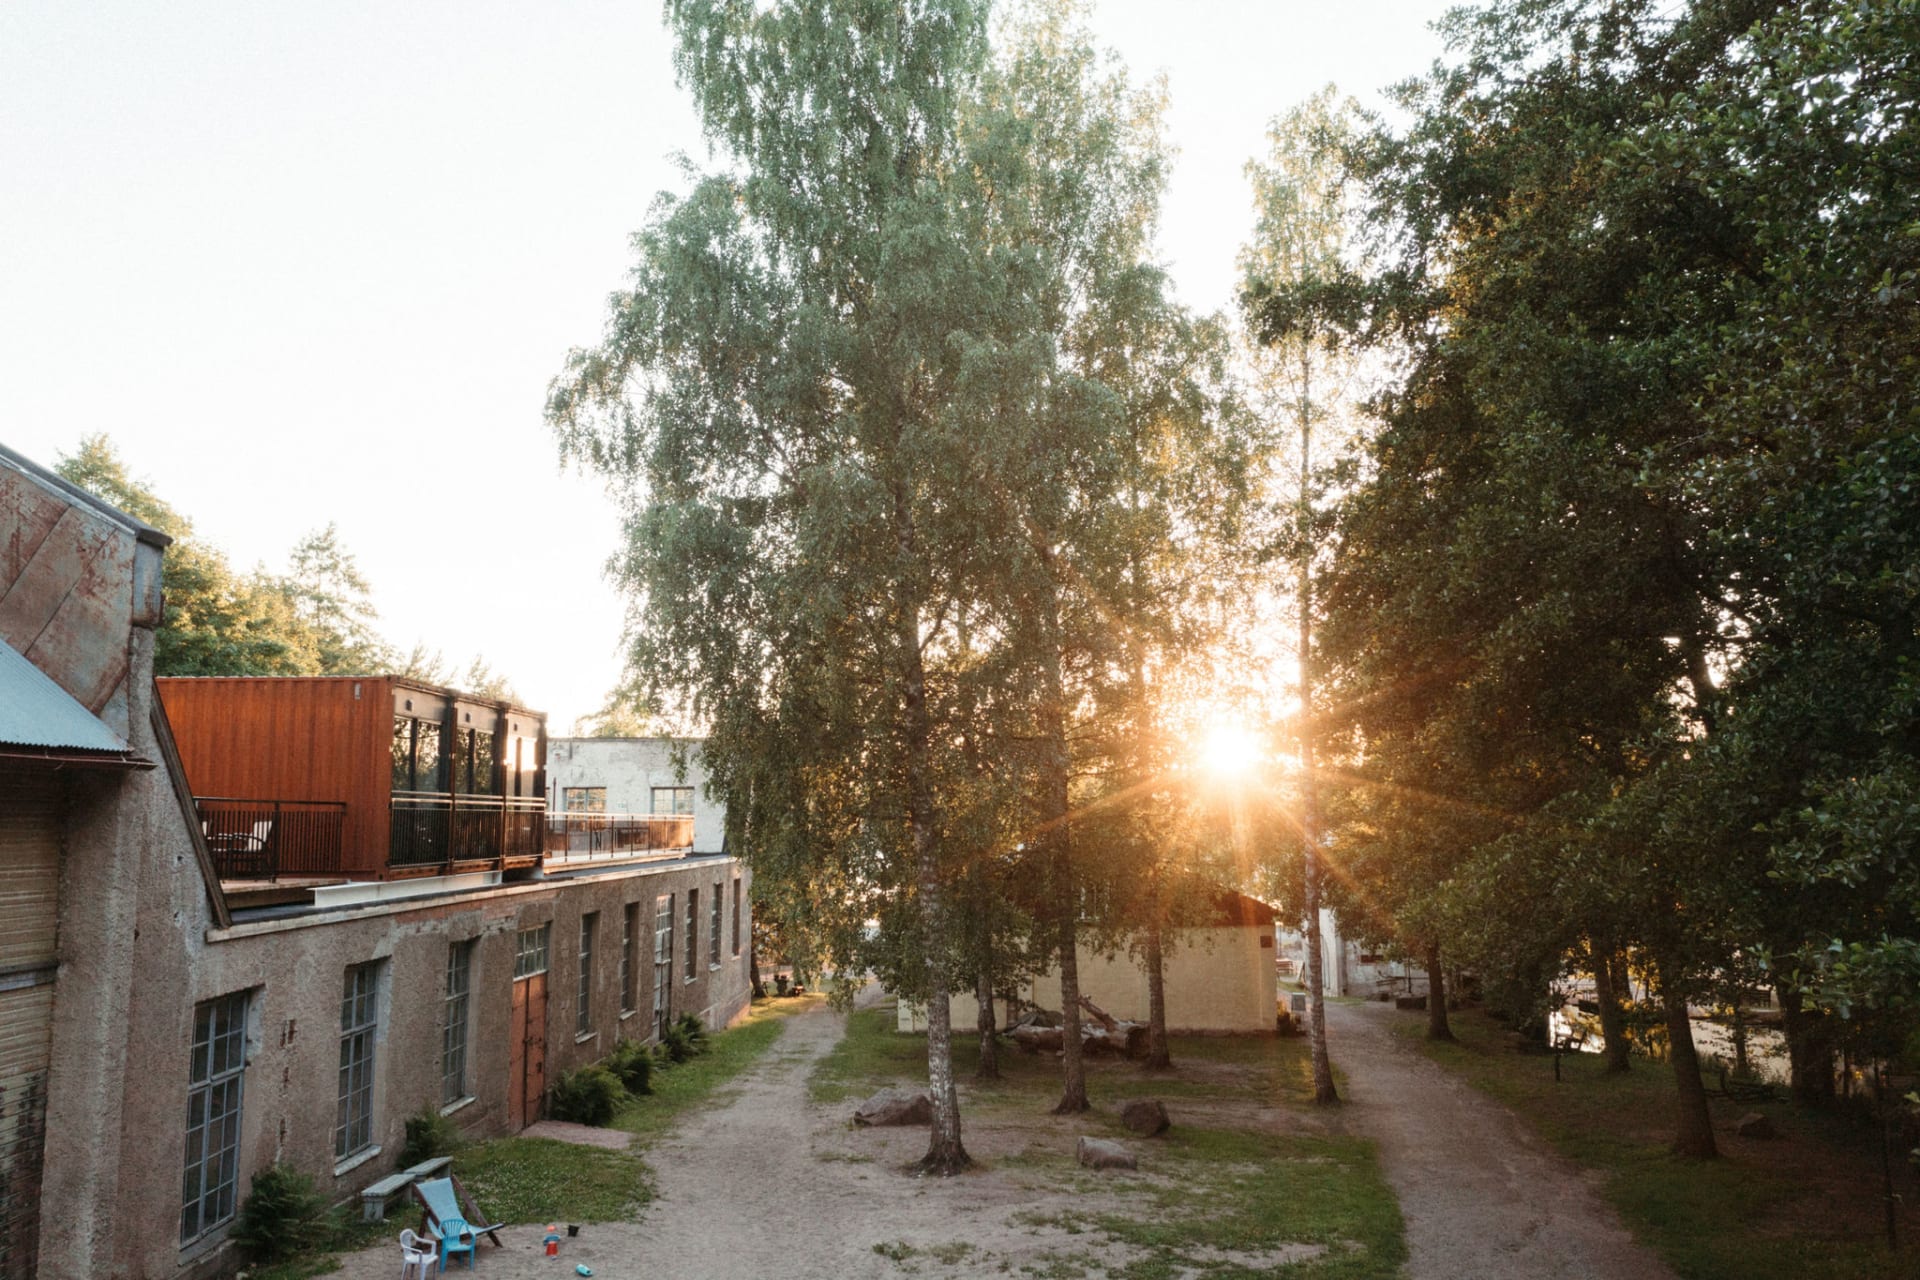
[
  {"x": 676, "y": 1044},
  {"x": 429, "y": 1135},
  {"x": 317, "y": 620},
  {"x": 633, "y": 1063},
  {"x": 695, "y": 1031},
  {"x": 588, "y": 1095},
  {"x": 283, "y": 1216}
]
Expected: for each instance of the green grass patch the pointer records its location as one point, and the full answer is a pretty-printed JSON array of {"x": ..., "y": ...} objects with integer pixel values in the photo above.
[
  {"x": 684, "y": 1085},
  {"x": 534, "y": 1180},
  {"x": 1210, "y": 1201},
  {"x": 346, "y": 1232},
  {"x": 1805, "y": 1208}
]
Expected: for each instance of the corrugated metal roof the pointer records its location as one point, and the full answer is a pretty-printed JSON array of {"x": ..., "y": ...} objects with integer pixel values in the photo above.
[{"x": 36, "y": 712}]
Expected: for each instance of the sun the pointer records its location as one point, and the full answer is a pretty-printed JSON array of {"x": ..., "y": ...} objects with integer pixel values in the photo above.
[{"x": 1228, "y": 749}]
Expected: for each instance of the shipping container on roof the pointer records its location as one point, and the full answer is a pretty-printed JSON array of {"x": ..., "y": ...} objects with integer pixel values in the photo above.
[{"x": 415, "y": 779}]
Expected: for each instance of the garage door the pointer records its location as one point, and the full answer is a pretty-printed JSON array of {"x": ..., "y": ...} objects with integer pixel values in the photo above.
[{"x": 29, "y": 889}]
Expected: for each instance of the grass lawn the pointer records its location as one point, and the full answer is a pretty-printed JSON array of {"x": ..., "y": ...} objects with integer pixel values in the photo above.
[
  {"x": 535, "y": 1180},
  {"x": 1806, "y": 1207},
  {"x": 1233, "y": 1192}
]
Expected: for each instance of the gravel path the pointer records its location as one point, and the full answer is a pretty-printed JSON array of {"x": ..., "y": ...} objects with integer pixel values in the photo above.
[
  {"x": 1481, "y": 1195},
  {"x": 765, "y": 1183}
]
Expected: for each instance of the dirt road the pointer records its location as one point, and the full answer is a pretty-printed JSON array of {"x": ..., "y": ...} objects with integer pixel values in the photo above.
[{"x": 1481, "y": 1195}]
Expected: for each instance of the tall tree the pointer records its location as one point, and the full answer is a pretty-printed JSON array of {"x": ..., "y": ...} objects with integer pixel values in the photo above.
[{"x": 1297, "y": 268}]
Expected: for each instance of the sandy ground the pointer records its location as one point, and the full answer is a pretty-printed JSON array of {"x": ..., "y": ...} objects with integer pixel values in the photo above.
[
  {"x": 1481, "y": 1195},
  {"x": 767, "y": 1184}
]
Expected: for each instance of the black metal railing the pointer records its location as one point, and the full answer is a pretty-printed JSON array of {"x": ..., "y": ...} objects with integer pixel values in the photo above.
[
  {"x": 617, "y": 835},
  {"x": 433, "y": 828},
  {"x": 267, "y": 839}
]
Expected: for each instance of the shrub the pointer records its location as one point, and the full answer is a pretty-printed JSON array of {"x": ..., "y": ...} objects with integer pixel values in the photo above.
[
  {"x": 283, "y": 1215},
  {"x": 588, "y": 1096},
  {"x": 674, "y": 1041},
  {"x": 633, "y": 1063},
  {"x": 429, "y": 1134},
  {"x": 695, "y": 1031}
]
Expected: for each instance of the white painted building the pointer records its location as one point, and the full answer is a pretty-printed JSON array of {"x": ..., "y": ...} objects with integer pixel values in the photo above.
[{"x": 635, "y": 776}]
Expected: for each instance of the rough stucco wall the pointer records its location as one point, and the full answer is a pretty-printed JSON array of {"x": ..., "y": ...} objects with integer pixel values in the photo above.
[
  {"x": 296, "y": 976},
  {"x": 629, "y": 768},
  {"x": 1216, "y": 980}
]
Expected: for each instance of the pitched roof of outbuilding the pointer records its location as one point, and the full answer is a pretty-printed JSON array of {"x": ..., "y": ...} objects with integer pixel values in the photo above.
[{"x": 37, "y": 713}]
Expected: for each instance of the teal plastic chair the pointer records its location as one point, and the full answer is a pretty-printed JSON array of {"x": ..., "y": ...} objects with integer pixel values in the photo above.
[{"x": 456, "y": 1237}]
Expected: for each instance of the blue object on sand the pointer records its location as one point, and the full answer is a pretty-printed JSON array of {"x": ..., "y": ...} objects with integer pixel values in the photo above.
[{"x": 582, "y": 1269}]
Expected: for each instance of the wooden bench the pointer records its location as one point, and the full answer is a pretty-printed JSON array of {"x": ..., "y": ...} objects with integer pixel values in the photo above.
[
  {"x": 428, "y": 1168},
  {"x": 373, "y": 1200}
]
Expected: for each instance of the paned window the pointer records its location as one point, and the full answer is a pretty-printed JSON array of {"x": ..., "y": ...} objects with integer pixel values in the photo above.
[
  {"x": 416, "y": 755},
  {"x": 583, "y": 1013},
  {"x": 736, "y": 915},
  {"x": 693, "y": 931},
  {"x": 473, "y": 762},
  {"x": 675, "y": 800},
  {"x": 629, "y": 940},
  {"x": 453, "y": 1034},
  {"x": 662, "y": 962},
  {"x": 713, "y": 927},
  {"x": 219, "y": 1064},
  {"x": 583, "y": 799},
  {"x": 530, "y": 952},
  {"x": 359, "y": 1019}
]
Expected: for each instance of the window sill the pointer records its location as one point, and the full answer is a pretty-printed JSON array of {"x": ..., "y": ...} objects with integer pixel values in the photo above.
[
  {"x": 456, "y": 1105},
  {"x": 627, "y": 1013},
  {"x": 205, "y": 1243},
  {"x": 354, "y": 1161},
  {"x": 584, "y": 1036},
  {"x": 713, "y": 966}
]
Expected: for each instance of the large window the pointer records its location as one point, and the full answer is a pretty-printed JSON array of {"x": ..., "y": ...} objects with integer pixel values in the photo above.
[
  {"x": 218, "y": 1067},
  {"x": 417, "y": 762},
  {"x": 530, "y": 952},
  {"x": 713, "y": 928},
  {"x": 473, "y": 762},
  {"x": 736, "y": 915},
  {"x": 583, "y": 799},
  {"x": 629, "y": 971},
  {"x": 583, "y": 1013},
  {"x": 693, "y": 932},
  {"x": 453, "y": 1033},
  {"x": 359, "y": 1019},
  {"x": 662, "y": 962},
  {"x": 673, "y": 800}
]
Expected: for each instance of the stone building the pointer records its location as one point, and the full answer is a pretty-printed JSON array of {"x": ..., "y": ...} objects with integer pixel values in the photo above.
[{"x": 258, "y": 930}]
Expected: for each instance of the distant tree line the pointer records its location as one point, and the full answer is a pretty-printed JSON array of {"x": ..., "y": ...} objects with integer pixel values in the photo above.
[{"x": 316, "y": 619}]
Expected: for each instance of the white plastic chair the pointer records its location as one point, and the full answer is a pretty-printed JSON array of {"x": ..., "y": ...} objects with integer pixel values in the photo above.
[{"x": 417, "y": 1255}]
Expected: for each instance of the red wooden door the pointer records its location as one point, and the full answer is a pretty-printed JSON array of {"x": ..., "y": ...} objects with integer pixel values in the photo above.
[{"x": 527, "y": 1052}]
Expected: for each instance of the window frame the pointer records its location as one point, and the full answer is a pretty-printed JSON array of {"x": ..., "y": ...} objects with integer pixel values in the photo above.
[
  {"x": 216, "y": 1077},
  {"x": 673, "y": 809},
  {"x": 530, "y": 948},
  {"x": 456, "y": 1022},
  {"x": 359, "y": 1053},
  {"x": 629, "y": 954},
  {"x": 737, "y": 893},
  {"x": 583, "y": 992},
  {"x": 693, "y": 933},
  {"x": 596, "y": 797},
  {"x": 713, "y": 926}
]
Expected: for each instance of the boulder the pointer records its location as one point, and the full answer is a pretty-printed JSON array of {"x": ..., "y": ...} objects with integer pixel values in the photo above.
[
  {"x": 1755, "y": 1125},
  {"x": 895, "y": 1106},
  {"x": 1098, "y": 1153},
  {"x": 1145, "y": 1116}
]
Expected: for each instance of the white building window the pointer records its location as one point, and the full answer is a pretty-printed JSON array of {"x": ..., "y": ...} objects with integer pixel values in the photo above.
[
  {"x": 583, "y": 1012},
  {"x": 218, "y": 1068},
  {"x": 672, "y": 800},
  {"x": 736, "y": 915},
  {"x": 693, "y": 932},
  {"x": 629, "y": 941},
  {"x": 453, "y": 1034},
  {"x": 713, "y": 928},
  {"x": 359, "y": 1023}
]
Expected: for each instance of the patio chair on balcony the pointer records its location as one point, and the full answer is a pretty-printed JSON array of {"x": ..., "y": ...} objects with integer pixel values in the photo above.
[{"x": 242, "y": 854}]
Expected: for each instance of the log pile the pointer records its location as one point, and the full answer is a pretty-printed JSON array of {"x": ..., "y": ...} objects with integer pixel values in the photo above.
[{"x": 1039, "y": 1031}]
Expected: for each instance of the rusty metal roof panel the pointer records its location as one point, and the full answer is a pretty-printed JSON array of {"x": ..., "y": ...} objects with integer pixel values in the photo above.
[{"x": 36, "y": 712}]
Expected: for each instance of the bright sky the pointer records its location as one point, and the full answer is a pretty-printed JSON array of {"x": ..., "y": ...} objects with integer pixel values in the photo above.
[{"x": 318, "y": 262}]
